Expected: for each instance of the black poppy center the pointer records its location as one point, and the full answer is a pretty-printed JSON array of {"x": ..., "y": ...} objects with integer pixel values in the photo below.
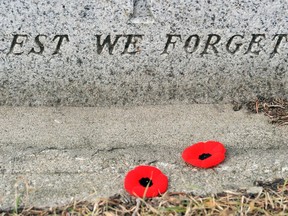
[
  {"x": 204, "y": 156},
  {"x": 146, "y": 182}
]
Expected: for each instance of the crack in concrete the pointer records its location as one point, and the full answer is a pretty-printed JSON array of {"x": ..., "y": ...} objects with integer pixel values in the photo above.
[{"x": 107, "y": 150}]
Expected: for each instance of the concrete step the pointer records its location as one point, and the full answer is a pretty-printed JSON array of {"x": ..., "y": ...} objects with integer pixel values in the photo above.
[{"x": 52, "y": 155}]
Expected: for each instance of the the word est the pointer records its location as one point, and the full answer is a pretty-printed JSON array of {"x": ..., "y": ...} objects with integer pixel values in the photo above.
[{"x": 18, "y": 41}]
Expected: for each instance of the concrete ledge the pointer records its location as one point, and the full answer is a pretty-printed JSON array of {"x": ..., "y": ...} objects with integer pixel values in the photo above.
[{"x": 51, "y": 155}]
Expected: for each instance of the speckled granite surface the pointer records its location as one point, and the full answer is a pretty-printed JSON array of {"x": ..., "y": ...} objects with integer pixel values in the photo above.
[{"x": 52, "y": 52}]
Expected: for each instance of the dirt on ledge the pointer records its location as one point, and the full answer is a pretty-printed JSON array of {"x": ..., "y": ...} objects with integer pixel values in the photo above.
[{"x": 275, "y": 108}]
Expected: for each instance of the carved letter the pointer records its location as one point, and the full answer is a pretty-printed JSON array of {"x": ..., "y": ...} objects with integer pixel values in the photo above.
[
  {"x": 107, "y": 41},
  {"x": 169, "y": 41},
  {"x": 61, "y": 37},
  {"x": 39, "y": 43},
  {"x": 196, "y": 44},
  {"x": 212, "y": 44},
  {"x": 255, "y": 41},
  {"x": 15, "y": 42},
  {"x": 238, "y": 45},
  {"x": 280, "y": 37},
  {"x": 129, "y": 41}
]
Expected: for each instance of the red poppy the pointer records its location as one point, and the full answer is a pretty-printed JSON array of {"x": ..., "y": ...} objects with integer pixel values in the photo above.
[
  {"x": 204, "y": 154},
  {"x": 145, "y": 181}
]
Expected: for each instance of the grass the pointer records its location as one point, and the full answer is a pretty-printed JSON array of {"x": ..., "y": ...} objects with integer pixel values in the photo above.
[{"x": 271, "y": 200}]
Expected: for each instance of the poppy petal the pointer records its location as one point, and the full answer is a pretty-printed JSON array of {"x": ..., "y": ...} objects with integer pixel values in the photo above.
[
  {"x": 147, "y": 192},
  {"x": 161, "y": 183},
  {"x": 145, "y": 181},
  {"x": 131, "y": 179},
  {"x": 204, "y": 154}
]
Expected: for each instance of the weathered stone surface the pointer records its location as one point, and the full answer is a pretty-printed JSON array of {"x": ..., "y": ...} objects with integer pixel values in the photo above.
[
  {"x": 53, "y": 52},
  {"x": 50, "y": 155},
  {"x": 254, "y": 190}
]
